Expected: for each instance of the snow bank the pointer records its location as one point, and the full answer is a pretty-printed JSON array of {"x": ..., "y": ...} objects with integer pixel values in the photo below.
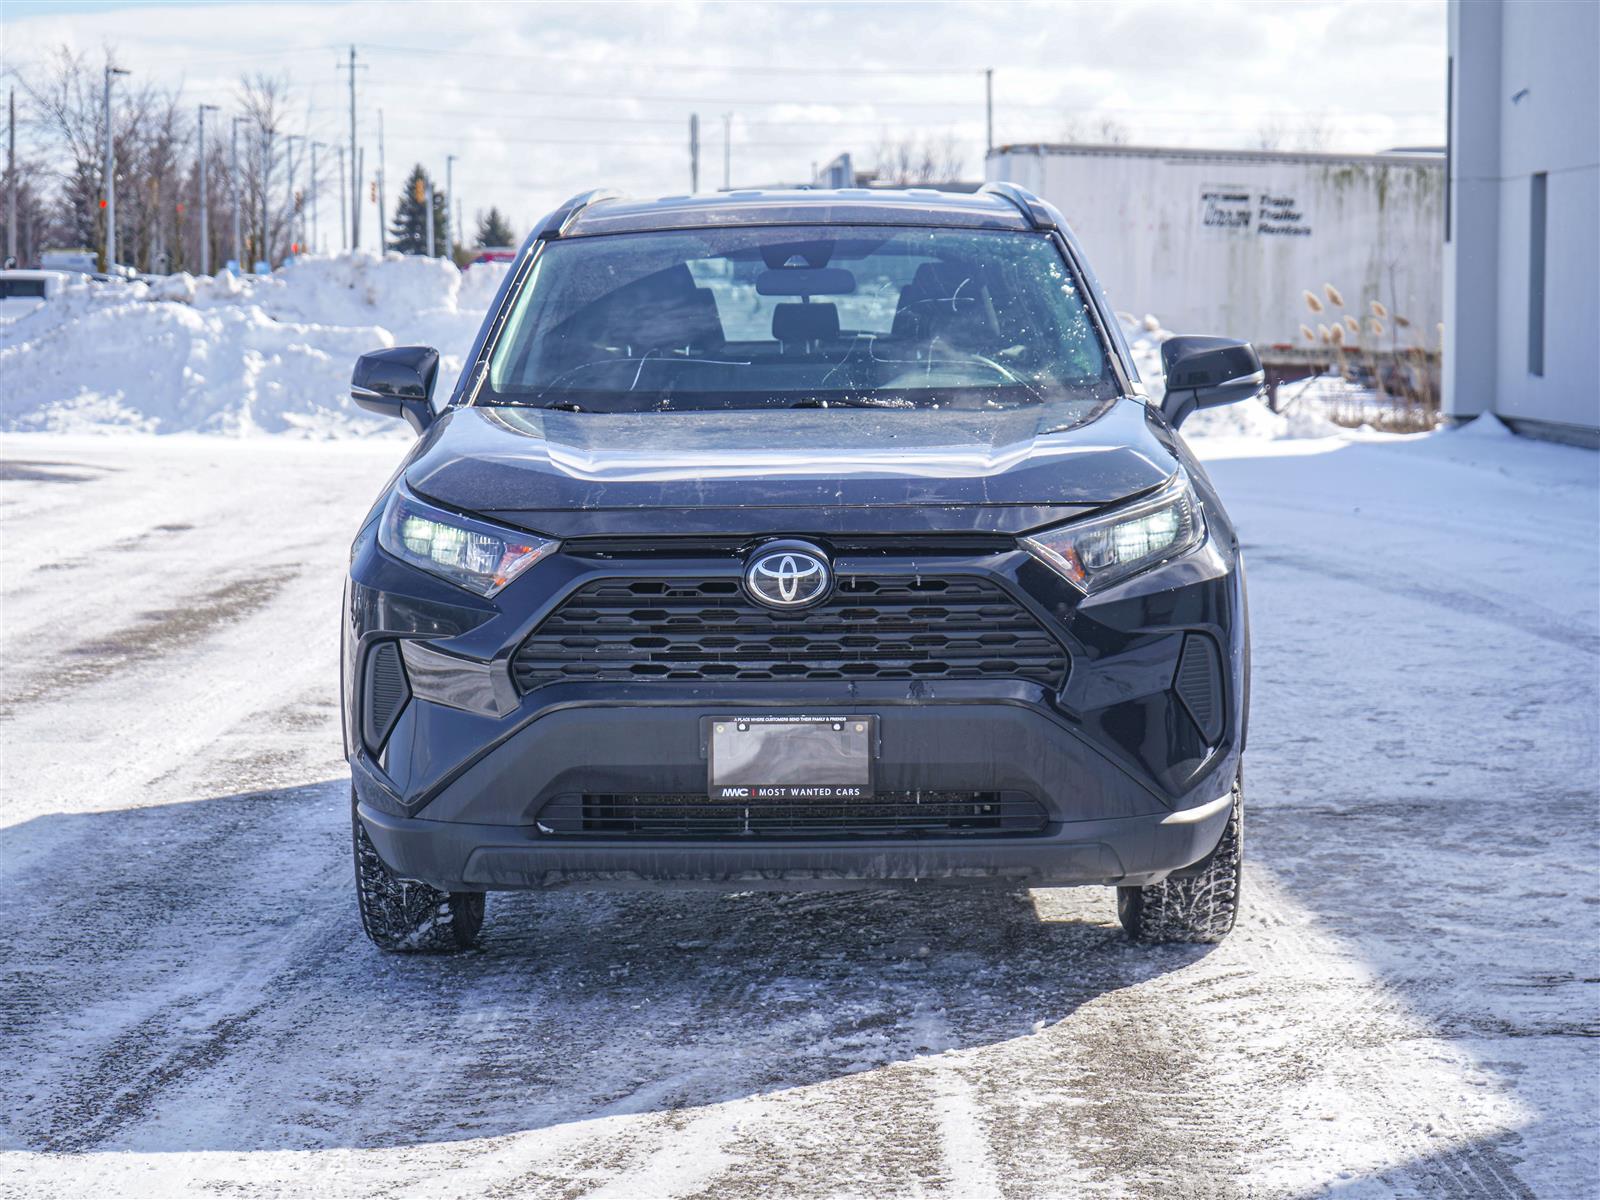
[
  {"x": 233, "y": 355},
  {"x": 272, "y": 354}
]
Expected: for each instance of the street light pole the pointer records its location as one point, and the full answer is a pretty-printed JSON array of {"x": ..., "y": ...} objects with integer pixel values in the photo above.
[
  {"x": 11, "y": 183},
  {"x": 205, "y": 212},
  {"x": 238, "y": 200},
  {"x": 988, "y": 111},
  {"x": 111, "y": 175},
  {"x": 450, "y": 192},
  {"x": 428, "y": 249},
  {"x": 727, "y": 151},
  {"x": 315, "y": 146},
  {"x": 694, "y": 152}
]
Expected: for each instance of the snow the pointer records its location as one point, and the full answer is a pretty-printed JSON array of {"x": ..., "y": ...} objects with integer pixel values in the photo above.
[
  {"x": 188, "y": 1006},
  {"x": 230, "y": 355},
  {"x": 251, "y": 355}
]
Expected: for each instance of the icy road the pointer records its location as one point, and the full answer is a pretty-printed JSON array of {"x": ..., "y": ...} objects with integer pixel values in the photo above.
[{"x": 1409, "y": 1008}]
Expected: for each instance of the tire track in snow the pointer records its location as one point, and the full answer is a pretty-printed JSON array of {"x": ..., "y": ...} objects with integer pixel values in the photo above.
[{"x": 153, "y": 636}]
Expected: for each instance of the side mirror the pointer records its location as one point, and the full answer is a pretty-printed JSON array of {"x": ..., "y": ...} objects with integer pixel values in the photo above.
[
  {"x": 1204, "y": 372},
  {"x": 397, "y": 383}
]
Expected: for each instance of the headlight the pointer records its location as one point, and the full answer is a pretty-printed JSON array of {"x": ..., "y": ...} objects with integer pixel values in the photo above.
[
  {"x": 479, "y": 557},
  {"x": 1098, "y": 551}
]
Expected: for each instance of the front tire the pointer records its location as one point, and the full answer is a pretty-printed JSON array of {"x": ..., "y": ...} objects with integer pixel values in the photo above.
[
  {"x": 1201, "y": 904},
  {"x": 406, "y": 916}
]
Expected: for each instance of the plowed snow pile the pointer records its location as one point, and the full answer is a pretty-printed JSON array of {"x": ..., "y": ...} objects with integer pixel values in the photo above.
[
  {"x": 232, "y": 355},
  {"x": 272, "y": 354}
]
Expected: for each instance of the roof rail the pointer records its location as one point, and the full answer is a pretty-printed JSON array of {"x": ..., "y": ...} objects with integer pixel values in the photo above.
[
  {"x": 1031, "y": 207},
  {"x": 558, "y": 222}
]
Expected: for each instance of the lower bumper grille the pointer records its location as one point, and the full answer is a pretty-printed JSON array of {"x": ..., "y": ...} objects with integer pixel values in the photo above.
[{"x": 899, "y": 814}]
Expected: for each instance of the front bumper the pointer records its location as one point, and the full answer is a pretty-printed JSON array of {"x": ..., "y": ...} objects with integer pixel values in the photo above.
[
  {"x": 1122, "y": 850},
  {"x": 1130, "y": 787}
]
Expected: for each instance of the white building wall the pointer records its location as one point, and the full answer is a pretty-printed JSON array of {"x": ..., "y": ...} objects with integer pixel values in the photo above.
[
  {"x": 1526, "y": 99},
  {"x": 1228, "y": 242}
]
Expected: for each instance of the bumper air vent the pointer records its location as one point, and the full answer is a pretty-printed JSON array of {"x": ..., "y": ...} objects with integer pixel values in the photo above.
[
  {"x": 384, "y": 694},
  {"x": 1198, "y": 684}
]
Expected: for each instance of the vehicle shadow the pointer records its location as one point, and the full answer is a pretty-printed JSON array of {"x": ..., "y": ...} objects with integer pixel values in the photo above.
[{"x": 208, "y": 988}]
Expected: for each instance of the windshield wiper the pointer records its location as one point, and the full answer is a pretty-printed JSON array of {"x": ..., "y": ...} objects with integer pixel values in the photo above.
[{"x": 886, "y": 403}]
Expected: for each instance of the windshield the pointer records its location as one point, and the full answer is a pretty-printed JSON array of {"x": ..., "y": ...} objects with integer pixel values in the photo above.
[{"x": 799, "y": 317}]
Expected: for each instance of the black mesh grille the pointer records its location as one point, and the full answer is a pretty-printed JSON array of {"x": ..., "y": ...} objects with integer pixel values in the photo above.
[
  {"x": 908, "y": 814},
  {"x": 387, "y": 692},
  {"x": 634, "y": 630},
  {"x": 1198, "y": 683}
]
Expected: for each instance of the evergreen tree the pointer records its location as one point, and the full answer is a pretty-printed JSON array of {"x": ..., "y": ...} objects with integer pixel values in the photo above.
[
  {"x": 409, "y": 232},
  {"x": 494, "y": 230}
]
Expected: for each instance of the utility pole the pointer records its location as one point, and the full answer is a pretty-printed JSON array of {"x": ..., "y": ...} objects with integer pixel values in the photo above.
[
  {"x": 344, "y": 213},
  {"x": 355, "y": 166},
  {"x": 11, "y": 183},
  {"x": 238, "y": 200},
  {"x": 315, "y": 146},
  {"x": 205, "y": 212},
  {"x": 450, "y": 194},
  {"x": 111, "y": 174},
  {"x": 294, "y": 207},
  {"x": 383, "y": 230},
  {"x": 694, "y": 152},
  {"x": 727, "y": 151},
  {"x": 428, "y": 251},
  {"x": 988, "y": 112}
]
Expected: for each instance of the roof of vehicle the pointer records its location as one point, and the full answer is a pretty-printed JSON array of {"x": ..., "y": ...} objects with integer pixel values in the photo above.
[{"x": 995, "y": 207}]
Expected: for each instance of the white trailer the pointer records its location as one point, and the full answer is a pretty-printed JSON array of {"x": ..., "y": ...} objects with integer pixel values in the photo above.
[{"x": 1229, "y": 241}]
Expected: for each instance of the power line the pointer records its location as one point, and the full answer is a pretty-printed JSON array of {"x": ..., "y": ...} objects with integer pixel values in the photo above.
[{"x": 621, "y": 62}]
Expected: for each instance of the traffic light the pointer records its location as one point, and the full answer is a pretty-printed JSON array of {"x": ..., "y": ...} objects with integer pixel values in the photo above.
[
  {"x": 372, "y": 191},
  {"x": 419, "y": 190}
]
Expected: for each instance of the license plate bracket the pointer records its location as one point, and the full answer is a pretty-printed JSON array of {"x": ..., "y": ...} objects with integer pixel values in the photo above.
[{"x": 791, "y": 758}]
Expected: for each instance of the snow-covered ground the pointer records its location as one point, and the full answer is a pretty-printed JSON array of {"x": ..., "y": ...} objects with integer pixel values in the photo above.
[{"x": 188, "y": 1007}]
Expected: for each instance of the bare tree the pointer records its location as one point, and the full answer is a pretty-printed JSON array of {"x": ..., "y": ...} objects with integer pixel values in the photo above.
[
  {"x": 1094, "y": 129},
  {"x": 910, "y": 160},
  {"x": 154, "y": 131},
  {"x": 264, "y": 101},
  {"x": 1271, "y": 134},
  {"x": 1315, "y": 133}
]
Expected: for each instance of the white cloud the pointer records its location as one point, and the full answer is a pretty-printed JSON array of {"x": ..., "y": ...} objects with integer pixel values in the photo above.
[{"x": 543, "y": 100}]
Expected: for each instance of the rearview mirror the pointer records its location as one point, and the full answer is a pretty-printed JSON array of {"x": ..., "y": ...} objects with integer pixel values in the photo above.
[
  {"x": 806, "y": 281},
  {"x": 397, "y": 382},
  {"x": 1204, "y": 372}
]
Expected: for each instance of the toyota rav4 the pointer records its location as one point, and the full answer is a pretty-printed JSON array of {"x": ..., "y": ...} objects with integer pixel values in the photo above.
[{"x": 797, "y": 540}]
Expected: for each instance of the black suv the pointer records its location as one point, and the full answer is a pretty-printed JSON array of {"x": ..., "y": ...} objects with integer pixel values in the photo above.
[{"x": 806, "y": 539}]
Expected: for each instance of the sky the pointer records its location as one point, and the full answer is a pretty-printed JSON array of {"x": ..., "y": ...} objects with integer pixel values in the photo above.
[{"x": 538, "y": 101}]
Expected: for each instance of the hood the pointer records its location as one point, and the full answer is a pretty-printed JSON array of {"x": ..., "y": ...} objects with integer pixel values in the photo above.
[{"x": 837, "y": 470}]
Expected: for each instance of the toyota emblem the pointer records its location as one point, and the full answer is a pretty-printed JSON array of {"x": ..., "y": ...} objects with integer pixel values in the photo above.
[{"x": 788, "y": 575}]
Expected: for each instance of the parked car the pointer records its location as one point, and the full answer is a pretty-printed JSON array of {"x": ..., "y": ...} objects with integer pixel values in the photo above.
[
  {"x": 34, "y": 285},
  {"x": 494, "y": 254},
  {"x": 797, "y": 540},
  {"x": 83, "y": 261}
]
